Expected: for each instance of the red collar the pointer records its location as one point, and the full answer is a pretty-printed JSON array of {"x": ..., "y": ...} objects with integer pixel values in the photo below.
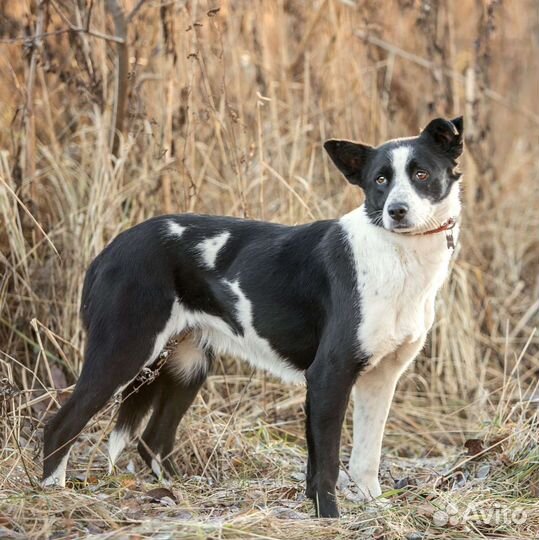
[{"x": 447, "y": 226}]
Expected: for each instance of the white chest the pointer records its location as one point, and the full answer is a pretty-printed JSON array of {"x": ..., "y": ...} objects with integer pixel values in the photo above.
[
  {"x": 397, "y": 304},
  {"x": 397, "y": 280}
]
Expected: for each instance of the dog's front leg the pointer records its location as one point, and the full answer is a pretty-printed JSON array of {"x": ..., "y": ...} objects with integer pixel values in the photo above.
[
  {"x": 373, "y": 393},
  {"x": 329, "y": 382}
]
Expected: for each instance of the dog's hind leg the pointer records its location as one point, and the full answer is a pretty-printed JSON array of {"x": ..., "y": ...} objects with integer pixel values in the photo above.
[
  {"x": 178, "y": 384},
  {"x": 101, "y": 378},
  {"x": 120, "y": 344}
]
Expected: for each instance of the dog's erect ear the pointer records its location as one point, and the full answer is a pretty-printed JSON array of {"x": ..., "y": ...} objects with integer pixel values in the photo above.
[
  {"x": 446, "y": 134},
  {"x": 350, "y": 157},
  {"x": 458, "y": 122}
]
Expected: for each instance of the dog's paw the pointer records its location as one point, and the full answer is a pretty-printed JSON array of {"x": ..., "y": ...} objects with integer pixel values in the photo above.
[
  {"x": 53, "y": 482},
  {"x": 368, "y": 490},
  {"x": 365, "y": 487}
]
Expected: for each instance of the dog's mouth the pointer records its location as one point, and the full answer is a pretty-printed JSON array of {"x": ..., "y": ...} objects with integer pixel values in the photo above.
[
  {"x": 405, "y": 228},
  {"x": 425, "y": 228},
  {"x": 402, "y": 228}
]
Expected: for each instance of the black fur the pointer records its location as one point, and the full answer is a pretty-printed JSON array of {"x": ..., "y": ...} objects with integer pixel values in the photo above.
[
  {"x": 299, "y": 280},
  {"x": 301, "y": 284}
]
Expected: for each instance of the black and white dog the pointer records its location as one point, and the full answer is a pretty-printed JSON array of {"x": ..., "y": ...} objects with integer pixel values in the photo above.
[{"x": 341, "y": 304}]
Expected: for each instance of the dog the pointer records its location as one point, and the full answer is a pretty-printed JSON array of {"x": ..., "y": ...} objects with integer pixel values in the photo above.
[{"x": 343, "y": 305}]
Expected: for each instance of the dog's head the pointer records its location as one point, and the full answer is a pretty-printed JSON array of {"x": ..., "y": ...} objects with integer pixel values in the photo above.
[{"x": 410, "y": 185}]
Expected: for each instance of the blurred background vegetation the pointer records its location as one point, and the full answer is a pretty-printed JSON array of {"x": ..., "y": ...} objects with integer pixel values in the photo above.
[{"x": 114, "y": 111}]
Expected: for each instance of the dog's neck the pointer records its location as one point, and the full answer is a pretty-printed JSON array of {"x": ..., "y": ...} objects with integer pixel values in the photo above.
[{"x": 364, "y": 236}]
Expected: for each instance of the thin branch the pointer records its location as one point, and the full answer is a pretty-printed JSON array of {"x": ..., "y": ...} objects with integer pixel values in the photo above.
[
  {"x": 89, "y": 16},
  {"x": 76, "y": 29},
  {"x": 122, "y": 68}
]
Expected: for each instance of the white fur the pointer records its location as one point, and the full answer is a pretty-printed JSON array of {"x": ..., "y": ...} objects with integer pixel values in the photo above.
[
  {"x": 210, "y": 247},
  {"x": 119, "y": 439},
  {"x": 255, "y": 349},
  {"x": 398, "y": 277},
  {"x": 171, "y": 329},
  {"x": 449, "y": 207},
  {"x": 402, "y": 191},
  {"x": 187, "y": 359},
  {"x": 373, "y": 393},
  {"x": 117, "y": 442},
  {"x": 175, "y": 229},
  {"x": 213, "y": 332},
  {"x": 156, "y": 468},
  {"x": 58, "y": 477}
]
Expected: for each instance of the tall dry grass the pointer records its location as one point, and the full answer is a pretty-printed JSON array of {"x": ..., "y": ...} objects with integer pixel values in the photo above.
[{"x": 226, "y": 113}]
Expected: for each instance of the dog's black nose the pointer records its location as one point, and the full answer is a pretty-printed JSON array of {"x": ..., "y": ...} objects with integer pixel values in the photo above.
[{"x": 397, "y": 211}]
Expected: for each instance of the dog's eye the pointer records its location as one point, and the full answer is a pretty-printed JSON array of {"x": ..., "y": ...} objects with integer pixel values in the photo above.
[
  {"x": 422, "y": 175},
  {"x": 381, "y": 180}
]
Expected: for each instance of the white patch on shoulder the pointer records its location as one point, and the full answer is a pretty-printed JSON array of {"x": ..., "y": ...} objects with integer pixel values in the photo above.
[
  {"x": 175, "y": 229},
  {"x": 398, "y": 277},
  {"x": 117, "y": 442},
  {"x": 58, "y": 477},
  {"x": 210, "y": 247}
]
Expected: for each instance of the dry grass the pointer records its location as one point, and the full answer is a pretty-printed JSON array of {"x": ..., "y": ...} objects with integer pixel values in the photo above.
[{"x": 226, "y": 115}]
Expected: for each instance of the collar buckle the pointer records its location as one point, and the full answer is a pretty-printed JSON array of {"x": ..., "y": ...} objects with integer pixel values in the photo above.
[{"x": 450, "y": 239}]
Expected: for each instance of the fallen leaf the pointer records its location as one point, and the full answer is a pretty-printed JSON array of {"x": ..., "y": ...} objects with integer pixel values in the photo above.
[
  {"x": 496, "y": 443},
  {"x": 162, "y": 495},
  {"x": 474, "y": 447}
]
